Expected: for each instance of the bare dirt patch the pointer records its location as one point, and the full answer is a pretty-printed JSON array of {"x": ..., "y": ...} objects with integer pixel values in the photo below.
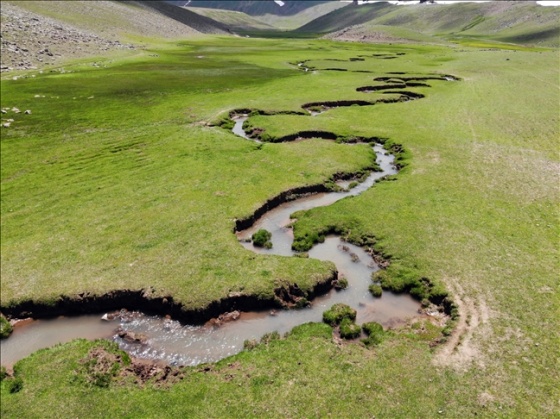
[
  {"x": 103, "y": 367},
  {"x": 461, "y": 349},
  {"x": 531, "y": 179}
]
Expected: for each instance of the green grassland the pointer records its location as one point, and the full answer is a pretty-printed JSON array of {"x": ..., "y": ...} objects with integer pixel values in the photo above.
[{"x": 115, "y": 182}]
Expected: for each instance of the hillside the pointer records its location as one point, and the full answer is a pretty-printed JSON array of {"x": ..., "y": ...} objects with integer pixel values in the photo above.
[
  {"x": 233, "y": 19},
  {"x": 262, "y": 15},
  {"x": 345, "y": 17},
  {"x": 289, "y": 22},
  {"x": 256, "y": 7},
  {"x": 38, "y": 33},
  {"x": 186, "y": 17},
  {"x": 518, "y": 22},
  {"x": 240, "y": 21}
]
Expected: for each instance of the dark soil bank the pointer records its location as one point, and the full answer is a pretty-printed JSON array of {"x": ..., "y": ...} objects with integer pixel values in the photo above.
[{"x": 142, "y": 301}]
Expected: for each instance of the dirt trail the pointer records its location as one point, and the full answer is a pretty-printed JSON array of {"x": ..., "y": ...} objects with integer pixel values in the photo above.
[{"x": 461, "y": 349}]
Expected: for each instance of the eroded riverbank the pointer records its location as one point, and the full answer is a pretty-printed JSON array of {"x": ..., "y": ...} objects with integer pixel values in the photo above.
[{"x": 163, "y": 339}]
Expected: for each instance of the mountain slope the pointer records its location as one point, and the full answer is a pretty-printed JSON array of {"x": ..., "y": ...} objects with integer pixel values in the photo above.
[
  {"x": 293, "y": 21},
  {"x": 232, "y": 19},
  {"x": 522, "y": 22},
  {"x": 238, "y": 20},
  {"x": 38, "y": 33},
  {"x": 345, "y": 17},
  {"x": 120, "y": 18},
  {"x": 186, "y": 17},
  {"x": 256, "y": 7}
]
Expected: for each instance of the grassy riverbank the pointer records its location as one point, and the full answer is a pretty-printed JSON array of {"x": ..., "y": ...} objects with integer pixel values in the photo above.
[{"x": 115, "y": 182}]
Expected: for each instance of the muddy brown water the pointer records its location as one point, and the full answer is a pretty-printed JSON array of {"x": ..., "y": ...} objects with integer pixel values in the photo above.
[{"x": 174, "y": 343}]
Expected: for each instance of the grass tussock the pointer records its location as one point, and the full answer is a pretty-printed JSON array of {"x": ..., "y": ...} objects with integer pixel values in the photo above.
[
  {"x": 374, "y": 334},
  {"x": 262, "y": 239},
  {"x": 5, "y": 328},
  {"x": 337, "y": 313}
]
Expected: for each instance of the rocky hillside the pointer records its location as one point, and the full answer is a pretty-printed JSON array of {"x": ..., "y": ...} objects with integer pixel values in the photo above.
[{"x": 42, "y": 33}]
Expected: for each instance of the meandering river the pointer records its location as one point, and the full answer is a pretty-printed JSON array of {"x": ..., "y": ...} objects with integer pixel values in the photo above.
[
  {"x": 172, "y": 342},
  {"x": 166, "y": 340}
]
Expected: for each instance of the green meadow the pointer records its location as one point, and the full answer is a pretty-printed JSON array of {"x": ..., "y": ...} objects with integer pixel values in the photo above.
[{"x": 118, "y": 180}]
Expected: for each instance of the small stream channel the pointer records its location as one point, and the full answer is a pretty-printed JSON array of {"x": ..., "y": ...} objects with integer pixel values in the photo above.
[{"x": 171, "y": 342}]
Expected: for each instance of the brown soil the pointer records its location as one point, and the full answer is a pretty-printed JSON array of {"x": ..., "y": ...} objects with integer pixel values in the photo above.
[
  {"x": 101, "y": 363},
  {"x": 461, "y": 350},
  {"x": 368, "y": 89},
  {"x": 286, "y": 196},
  {"x": 145, "y": 301},
  {"x": 404, "y": 96}
]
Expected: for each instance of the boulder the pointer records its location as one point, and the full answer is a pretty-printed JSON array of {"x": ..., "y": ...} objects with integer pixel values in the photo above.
[
  {"x": 224, "y": 318},
  {"x": 132, "y": 337}
]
